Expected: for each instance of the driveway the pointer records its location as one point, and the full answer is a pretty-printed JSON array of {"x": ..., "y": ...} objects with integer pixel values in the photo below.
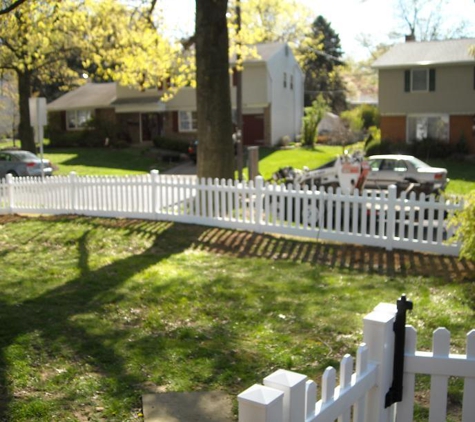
[{"x": 187, "y": 168}]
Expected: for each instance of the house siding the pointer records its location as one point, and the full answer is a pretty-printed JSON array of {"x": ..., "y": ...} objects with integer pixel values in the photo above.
[
  {"x": 393, "y": 128},
  {"x": 462, "y": 127},
  {"x": 454, "y": 92}
]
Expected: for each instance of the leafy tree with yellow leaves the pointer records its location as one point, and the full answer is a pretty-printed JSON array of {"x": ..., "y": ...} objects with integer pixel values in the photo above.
[{"x": 39, "y": 40}]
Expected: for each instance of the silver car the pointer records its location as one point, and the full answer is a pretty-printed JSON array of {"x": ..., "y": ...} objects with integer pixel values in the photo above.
[
  {"x": 23, "y": 163},
  {"x": 405, "y": 171}
]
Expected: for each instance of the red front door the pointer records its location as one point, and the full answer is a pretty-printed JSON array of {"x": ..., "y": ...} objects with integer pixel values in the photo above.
[{"x": 253, "y": 129}]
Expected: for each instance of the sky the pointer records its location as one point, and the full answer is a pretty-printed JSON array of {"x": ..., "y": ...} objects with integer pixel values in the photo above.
[{"x": 349, "y": 18}]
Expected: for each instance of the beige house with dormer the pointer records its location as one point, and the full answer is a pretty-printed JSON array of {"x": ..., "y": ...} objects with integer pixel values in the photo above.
[{"x": 427, "y": 91}]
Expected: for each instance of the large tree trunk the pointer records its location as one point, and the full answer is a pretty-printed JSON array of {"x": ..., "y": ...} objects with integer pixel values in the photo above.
[
  {"x": 25, "y": 131},
  {"x": 213, "y": 98}
]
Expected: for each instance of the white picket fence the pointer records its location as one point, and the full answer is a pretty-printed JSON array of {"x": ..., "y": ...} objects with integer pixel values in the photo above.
[
  {"x": 369, "y": 218},
  {"x": 360, "y": 397}
]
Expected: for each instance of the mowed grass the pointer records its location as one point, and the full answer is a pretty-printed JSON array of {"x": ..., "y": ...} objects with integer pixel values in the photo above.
[
  {"x": 105, "y": 161},
  {"x": 130, "y": 161},
  {"x": 96, "y": 312}
]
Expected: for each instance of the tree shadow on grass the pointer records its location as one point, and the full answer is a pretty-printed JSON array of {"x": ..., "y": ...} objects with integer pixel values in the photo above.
[
  {"x": 53, "y": 316},
  {"x": 370, "y": 260}
]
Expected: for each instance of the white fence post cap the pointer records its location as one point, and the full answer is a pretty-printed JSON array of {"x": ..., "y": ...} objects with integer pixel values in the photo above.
[
  {"x": 283, "y": 377},
  {"x": 260, "y": 395}
]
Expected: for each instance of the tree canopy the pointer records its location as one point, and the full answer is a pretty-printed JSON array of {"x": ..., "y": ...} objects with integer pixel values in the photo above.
[
  {"x": 320, "y": 55},
  {"x": 40, "y": 40}
]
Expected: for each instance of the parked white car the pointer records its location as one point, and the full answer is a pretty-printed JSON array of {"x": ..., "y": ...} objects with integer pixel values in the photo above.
[{"x": 404, "y": 171}]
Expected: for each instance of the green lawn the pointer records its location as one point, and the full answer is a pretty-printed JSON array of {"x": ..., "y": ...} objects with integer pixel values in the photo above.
[
  {"x": 105, "y": 161},
  {"x": 96, "y": 312},
  {"x": 109, "y": 161}
]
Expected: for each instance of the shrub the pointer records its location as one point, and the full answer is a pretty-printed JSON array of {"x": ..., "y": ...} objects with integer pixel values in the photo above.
[
  {"x": 313, "y": 116},
  {"x": 178, "y": 145},
  {"x": 376, "y": 146},
  {"x": 464, "y": 223},
  {"x": 431, "y": 148}
]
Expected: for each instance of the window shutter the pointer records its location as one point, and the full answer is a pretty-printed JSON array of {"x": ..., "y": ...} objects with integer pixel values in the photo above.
[
  {"x": 175, "y": 121},
  {"x": 407, "y": 81},
  {"x": 431, "y": 79}
]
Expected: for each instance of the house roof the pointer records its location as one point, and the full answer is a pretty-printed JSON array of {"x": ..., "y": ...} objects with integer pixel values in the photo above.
[
  {"x": 265, "y": 51},
  {"x": 90, "y": 95},
  {"x": 427, "y": 53}
]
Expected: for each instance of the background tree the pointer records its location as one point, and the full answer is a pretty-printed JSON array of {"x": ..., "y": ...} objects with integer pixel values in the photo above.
[
  {"x": 213, "y": 98},
  {"x": 273, "y": 21},
  {"x": 426, "y": 20},
  {"x": 320, "y": 57},
  {"x": 49, "y": 42},
  {"x": 34, "y": 40}
]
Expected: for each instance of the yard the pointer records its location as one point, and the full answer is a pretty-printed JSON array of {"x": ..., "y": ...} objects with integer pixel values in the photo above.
[
  {"x": 96, "y": 312},
  {"x": 141, "y": 160}
]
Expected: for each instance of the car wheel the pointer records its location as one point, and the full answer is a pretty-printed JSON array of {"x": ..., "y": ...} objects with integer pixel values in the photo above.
[{"x": 13, "y": 173}]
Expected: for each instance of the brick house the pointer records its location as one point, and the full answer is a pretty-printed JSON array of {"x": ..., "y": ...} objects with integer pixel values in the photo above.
[
  {"x": 427, "y": 91},
  {"x": 272, "y": 104}
]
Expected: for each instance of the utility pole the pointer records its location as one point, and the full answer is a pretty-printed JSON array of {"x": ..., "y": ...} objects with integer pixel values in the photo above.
[{"x": 238, "y": 70}]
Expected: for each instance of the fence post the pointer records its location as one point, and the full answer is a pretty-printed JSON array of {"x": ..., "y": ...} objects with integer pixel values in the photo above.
[
  {"x": 391, "y": 217},
  {"x": 154, "y": 178},
  {"x": 293, "y": 385},
  {"x": 259, "y": 185},
  {"x": 261, "y": 404},
  {"x": 73, "y": 191},
  {"x": 11, "y": 198},
  {"x": 378, "y": 335}
]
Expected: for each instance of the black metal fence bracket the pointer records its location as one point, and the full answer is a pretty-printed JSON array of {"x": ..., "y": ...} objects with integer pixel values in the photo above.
[{"x": 394, "y": 394}]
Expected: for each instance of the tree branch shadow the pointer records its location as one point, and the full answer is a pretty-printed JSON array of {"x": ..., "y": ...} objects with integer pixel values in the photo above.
[{"x": 52, "y": 314}]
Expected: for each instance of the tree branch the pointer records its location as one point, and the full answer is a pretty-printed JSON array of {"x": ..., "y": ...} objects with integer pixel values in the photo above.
[{"x": 12, "y": 6}]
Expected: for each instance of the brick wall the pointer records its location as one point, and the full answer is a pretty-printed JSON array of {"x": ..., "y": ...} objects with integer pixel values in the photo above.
[
  {"x": 393, "y": 128},
  {"x": 462, "y": 127}
]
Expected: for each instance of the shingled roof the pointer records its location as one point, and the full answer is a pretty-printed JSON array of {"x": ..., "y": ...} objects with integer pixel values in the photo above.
[
  {"x": 427, "y": 53},
  {"x": 90, "y": 95}
]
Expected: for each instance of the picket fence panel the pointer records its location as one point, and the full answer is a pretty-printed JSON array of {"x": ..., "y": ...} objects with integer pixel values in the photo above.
[
  {"x": 287, "y": 396},
  {"x": 367, "y": 218}
]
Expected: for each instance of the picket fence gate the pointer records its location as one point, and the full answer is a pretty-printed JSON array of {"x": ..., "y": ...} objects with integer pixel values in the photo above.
[
  {"x": 361, "y": 395},
  {"x": 381, "y": 219}
]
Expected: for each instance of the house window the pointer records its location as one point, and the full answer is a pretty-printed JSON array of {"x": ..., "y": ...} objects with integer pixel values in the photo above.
[
  {"x": 187, "y": 121},
  {"x": 78, "y": 119},
  {"x": 291, "y": 81},
  {"x": 285, "y": 80},
  {"x": 419, "y": 80},
  {"x": 428, "y": 127}
]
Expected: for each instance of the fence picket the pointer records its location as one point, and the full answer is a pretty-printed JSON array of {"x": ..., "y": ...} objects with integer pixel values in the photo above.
[
  {"x": 439, "y": 383},
  {"x": 359, "y": 407},
  {"x": 468, "y": 411},
  {"x": 346, "y": 370},
  {"x": 405, "y": 409},
  {"x": 310, "y": 398}
]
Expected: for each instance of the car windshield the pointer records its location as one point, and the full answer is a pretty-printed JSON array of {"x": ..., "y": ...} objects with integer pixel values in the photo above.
[
  {"x": 418, "y": 164},
  {"x": 24, "y": 155}
]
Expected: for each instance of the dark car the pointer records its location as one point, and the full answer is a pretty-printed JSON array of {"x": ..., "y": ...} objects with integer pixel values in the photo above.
[
  {"x": 193, "y": 151},
  {"x": 23, "y": 163}
]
